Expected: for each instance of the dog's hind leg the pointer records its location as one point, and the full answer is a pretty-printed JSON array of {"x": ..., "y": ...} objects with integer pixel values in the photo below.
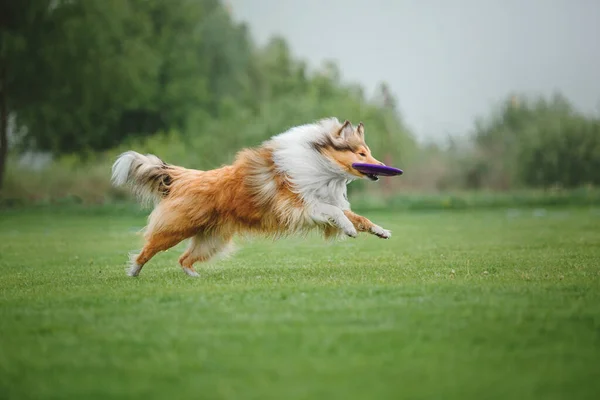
[
  {"x": 154, "y": 244},
  {"x": 202, "y": 248}
]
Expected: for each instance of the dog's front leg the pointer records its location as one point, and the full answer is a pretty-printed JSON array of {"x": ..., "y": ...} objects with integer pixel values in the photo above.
[
  {"x": 363, "y": 224},
  {"x": 323, "y": 212}
]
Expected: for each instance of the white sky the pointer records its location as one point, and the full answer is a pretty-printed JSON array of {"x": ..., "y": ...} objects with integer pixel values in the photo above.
[{"x": 447, "y": 61}]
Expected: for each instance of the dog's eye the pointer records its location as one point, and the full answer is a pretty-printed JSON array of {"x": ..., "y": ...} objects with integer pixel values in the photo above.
[{"x": 362, "y": 154}]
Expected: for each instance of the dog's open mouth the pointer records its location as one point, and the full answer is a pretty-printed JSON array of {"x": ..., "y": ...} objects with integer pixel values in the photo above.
[{"x": 372, "y": 177}]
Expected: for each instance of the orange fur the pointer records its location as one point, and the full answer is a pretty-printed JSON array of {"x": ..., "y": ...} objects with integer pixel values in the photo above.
[
  {"x": 249, "y": 196},
  {"x": 354, "y": 146},
  {"x": 221, "y": 203}
]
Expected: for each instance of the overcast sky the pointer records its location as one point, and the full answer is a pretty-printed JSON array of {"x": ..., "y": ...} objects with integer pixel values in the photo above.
[{"x": 447, "y": 61}]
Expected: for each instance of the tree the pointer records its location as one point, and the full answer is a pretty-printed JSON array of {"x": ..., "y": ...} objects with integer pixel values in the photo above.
[
  {"x": 69, "y": 68},
  {"x": 82, "y": 76},
  {"x": 538, "y": 142},
  {"x": 94, "y": 61},
  {"x": 14, "y": 17}
]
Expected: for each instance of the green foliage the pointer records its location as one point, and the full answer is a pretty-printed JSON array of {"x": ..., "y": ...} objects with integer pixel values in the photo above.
[
  {"x": 91, "y": 78},
  {"x": 563, "y": 150},
  {"x": 115, "y": 74},
  {"x": 537, "y": 143},
  {"x": 73, "y": 67},
  {"x": 84, "y": 75},
  {"x": 109, "y": 69}
]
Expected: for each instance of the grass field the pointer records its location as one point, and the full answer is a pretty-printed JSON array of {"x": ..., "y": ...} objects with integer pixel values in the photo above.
[{"x": 458, "y": 304}]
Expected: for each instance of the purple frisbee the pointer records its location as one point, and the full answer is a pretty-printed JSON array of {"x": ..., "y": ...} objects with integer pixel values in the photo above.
[{"x": 377, "y": 170}]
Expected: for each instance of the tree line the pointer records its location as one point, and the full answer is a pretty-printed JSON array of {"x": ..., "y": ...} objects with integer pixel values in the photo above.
[
  {"x": 538, "y": 142},
  {"x": 83, "y": 76},
  {"x": 80, "y": 77}
]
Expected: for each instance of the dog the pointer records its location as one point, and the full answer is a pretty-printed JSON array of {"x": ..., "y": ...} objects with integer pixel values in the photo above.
[{"x": 292, "y": 183}]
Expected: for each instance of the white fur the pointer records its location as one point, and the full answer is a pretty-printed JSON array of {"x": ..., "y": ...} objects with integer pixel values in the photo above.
[
  {"x": 191, "y": 273},
  {"x": 382, "y": 233},
  {"x": 316, "y": 177},
  {"x": 331, "y": 214},
  {"x": 143, "y": 164},
  {"x": 318, "y": 180},
  {"x": 205, "y": 247},
  {"x": 121, "y": 167},
  {"x": 134, "y": 269}
]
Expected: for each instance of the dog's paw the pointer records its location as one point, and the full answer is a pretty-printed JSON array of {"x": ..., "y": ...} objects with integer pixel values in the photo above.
[
  {"x": 134, "y": 270},
  {"x": 190, "y": 272},
  {"x": 350, "y": 230},
  {"x": 380, "y": 232}
]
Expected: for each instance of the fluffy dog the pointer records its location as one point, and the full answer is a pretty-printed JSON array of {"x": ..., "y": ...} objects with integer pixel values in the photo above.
[{"x": 293, "y": 183}]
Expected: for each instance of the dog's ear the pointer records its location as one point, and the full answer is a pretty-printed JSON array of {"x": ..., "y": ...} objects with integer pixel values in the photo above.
[
  {"x": 345, "y": 131},
  {"x": 360, "y": 129}
]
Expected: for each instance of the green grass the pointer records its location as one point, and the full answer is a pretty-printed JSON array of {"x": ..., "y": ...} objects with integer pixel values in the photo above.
[{"x": 463, "y": 305}]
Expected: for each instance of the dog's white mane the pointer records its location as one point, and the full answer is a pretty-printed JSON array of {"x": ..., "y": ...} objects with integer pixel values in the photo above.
[{"x": 316, "y": 178}]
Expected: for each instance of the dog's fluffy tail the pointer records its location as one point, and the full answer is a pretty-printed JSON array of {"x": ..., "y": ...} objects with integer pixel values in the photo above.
[{"x": 148, "y": 176}]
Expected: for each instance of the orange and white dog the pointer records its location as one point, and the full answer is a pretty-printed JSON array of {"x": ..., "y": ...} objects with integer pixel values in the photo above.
[{"x": 292, "y": 183}]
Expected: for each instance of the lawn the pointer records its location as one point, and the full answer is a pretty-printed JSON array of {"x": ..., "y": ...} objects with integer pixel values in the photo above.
[{"x": 501, "y": 304}]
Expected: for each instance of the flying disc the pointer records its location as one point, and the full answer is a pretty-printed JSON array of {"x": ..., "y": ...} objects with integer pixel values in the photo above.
[{"x": 377, "y": 170}]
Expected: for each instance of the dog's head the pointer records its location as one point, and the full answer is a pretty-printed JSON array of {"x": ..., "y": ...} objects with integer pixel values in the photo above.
[{"x": 345, "y": 145}]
